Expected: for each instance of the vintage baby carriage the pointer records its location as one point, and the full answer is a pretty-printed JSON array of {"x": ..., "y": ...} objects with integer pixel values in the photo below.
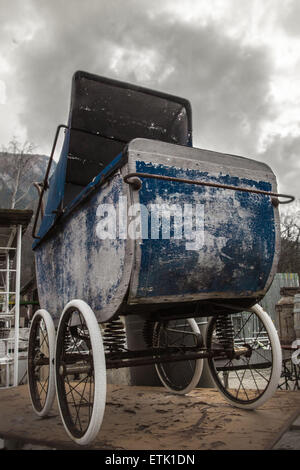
[{"x": 138, "y": 222}]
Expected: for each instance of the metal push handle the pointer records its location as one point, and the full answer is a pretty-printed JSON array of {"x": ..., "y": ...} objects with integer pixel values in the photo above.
[
  {"x": 44, "y": 185},
  {"x": 134, "y": 180}
]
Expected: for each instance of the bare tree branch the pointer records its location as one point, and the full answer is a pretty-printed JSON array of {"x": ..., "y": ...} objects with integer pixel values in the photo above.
[
  {"x": 290, "y": 239},
  {"x": 20, "y": 163}
]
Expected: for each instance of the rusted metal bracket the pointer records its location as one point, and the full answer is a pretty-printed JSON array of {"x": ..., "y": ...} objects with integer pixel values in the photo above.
[{"x": 134, "y": 180}]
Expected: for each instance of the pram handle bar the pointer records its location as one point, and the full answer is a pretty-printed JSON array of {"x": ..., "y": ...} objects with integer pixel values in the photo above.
[
  {"x": 136, "y": 182},
  {"x": 45, "y": 185}
]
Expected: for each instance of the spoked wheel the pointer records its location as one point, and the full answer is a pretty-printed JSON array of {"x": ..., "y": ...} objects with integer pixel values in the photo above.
[
  {"x": 80, "y": 372},
  {"x": 41, "y": 362},
  {"x": 247, "y": 372},
  {"x": 178, "y": 377}
]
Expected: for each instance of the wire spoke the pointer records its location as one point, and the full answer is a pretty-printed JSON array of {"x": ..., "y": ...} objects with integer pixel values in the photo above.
[
  {"x": 42, "y": 387},
  {"x": 241, "y": 384},
  {"x": 73, "y": 389},
  {"x": 248, "y": 375},
  {"x": 77, "y": 388},
  {"x": 74, "y": 405},
  {"x": 242, "y": 380},
  {"x": 250, "y": 368},
  {"x": 261, "y": 375}
]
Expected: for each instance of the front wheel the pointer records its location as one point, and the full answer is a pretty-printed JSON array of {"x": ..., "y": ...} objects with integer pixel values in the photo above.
[
  {"x": 80, "y": 372},
  {"x": 246, "y": 366},
  {"x": 178, "y": 377}
]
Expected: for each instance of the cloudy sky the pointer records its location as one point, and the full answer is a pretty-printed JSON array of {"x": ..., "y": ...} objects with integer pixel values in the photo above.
[{"x": 237, "y": 61}]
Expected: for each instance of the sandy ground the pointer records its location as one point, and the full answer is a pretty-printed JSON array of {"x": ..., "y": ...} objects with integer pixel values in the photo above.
[{"x": 151, "y": 418}]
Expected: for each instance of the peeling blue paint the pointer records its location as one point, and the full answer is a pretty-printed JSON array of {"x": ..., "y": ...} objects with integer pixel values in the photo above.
[
  {"x": 75, "y": 263},
  {"x": 238, "y": 253}
]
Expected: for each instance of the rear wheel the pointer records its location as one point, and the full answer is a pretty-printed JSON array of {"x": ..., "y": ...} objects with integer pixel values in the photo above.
[
  {"x": 41, "y": 362},
  {"x": 248, "y": 369},
  {"x": 80, "y": 372},
  {"x": 178, "y": 377}
]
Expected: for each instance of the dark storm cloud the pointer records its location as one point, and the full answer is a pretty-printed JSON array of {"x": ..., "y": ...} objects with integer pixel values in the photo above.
[
  {"x": 227, "y": 83},
  {"x": 282, "y": 154}
]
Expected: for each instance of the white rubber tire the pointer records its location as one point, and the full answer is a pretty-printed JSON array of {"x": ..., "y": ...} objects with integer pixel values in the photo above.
[
  {"x": 51, "y": 340},
  {"x": 276, "y": 363},
  {"x": 198, "y": 368},
  {"x": 99, "y": 372}
]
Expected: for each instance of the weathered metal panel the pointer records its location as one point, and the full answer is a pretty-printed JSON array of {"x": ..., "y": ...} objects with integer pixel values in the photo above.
[
  {"x": 75, "y": 263},
  {"x": 241, "y": 243}
]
